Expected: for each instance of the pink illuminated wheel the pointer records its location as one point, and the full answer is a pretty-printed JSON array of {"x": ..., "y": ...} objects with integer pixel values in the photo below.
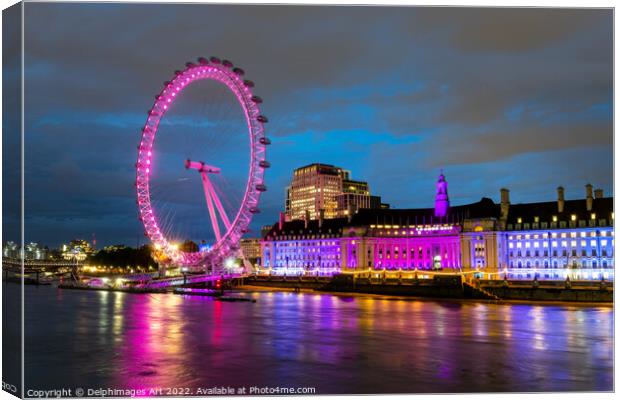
[{"x": 227, "y": 239}]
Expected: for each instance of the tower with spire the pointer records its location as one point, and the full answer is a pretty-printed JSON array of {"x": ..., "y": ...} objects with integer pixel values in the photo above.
[{"x": 442, "y": 201}]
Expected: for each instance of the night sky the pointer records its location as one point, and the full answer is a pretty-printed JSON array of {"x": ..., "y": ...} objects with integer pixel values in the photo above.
[{"x": 516, "y": 98}]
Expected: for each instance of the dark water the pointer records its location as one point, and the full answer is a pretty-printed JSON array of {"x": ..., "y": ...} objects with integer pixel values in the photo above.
[{"x": 334, "y": 344}]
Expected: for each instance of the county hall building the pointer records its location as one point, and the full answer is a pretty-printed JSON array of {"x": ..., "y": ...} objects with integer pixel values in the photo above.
[{"x": 550, "y": 240}]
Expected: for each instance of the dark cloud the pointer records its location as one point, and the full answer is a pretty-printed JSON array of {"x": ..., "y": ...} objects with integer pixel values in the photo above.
[{"x": 392, "y": 93}]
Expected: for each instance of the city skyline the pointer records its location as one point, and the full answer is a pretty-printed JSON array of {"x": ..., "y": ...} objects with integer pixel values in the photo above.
[{"x": 463, "y": 96}]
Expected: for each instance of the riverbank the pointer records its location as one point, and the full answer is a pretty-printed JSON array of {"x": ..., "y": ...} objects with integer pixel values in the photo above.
[
  {"x": 275, "y": 289},
  {"x": 448, "y": 287}
]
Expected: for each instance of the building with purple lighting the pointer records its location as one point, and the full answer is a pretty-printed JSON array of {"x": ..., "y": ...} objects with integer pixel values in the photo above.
[{"x": 549, "y": 240}]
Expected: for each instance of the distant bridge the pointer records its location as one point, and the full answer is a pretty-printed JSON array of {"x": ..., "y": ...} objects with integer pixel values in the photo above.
[{"x": 32, "y": 266}]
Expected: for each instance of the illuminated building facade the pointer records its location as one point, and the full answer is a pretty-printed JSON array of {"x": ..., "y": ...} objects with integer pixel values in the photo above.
[
  {"x": 35, "y": 252},
  {"x": 549, "y": 240},
  {"x": 250, "y": 248},
  {"x": 304, "y": 247},
  {"x": 317, "y": 187},
  {"x": 10, "y": 249},
  {"x": 355, "y": 196},
  {"x": 32, "y": 251},
  {"x": 553, "y": 240},
  {"x": 77, "y": 250}
]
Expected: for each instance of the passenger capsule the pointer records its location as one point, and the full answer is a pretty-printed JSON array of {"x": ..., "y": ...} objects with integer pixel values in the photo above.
[
  {"x": 189, "y": 64},
  {"x": 262, "y": 118},
  {"x": 264, "y": 141},
  {"x": 261, "y": 187},
  {"x": 215, "y": 60},
  {"x": 239, "y": 71},
  {"x": 257, "y": 99},
  {"x": 264, "y": 163},
  {"x": 177, "y": 72},
  {"x": 254, "y": 210},
  {"x": 203, "y": 60},
  {"x": 248, "y": 83},
  {"x": 227, "y": 63}
]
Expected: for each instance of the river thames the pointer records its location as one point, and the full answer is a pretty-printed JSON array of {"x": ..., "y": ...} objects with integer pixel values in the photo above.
[{"x": 334, "y": 344}]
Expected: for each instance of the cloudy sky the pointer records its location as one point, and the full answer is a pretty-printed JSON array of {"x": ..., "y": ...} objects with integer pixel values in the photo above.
[{"x": 516, "y": 98}]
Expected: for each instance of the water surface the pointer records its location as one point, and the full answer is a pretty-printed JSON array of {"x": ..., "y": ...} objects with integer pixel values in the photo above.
[{"x": 334, "y": 344}]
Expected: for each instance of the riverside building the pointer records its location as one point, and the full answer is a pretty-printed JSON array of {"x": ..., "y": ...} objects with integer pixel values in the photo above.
[{"x": 549, "y": 240}]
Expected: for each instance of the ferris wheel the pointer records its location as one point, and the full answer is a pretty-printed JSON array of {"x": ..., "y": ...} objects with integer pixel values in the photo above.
[{"x": 228, "y": 227}]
